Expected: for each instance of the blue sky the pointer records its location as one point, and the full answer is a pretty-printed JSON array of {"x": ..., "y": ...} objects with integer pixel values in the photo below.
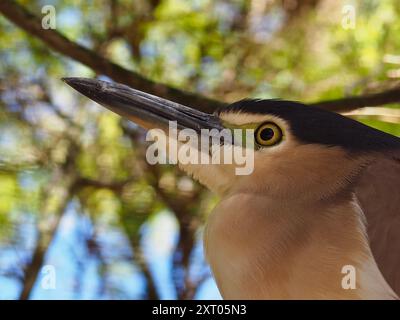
[{"x": 77, "y": 273}]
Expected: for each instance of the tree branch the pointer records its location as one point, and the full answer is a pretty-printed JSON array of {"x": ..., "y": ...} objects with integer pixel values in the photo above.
[
  {"x": 56, "y": 41},
  {"x": 140, "y": 260},
  {"x": 188, "y": 223},
  {"x": 45, "y": 236},
  {"x": 356, "y": 102},
  {"x": 139, "y": 257},
  {"x": 57, "y": 194},
  {"x": 114, "y": 186}
]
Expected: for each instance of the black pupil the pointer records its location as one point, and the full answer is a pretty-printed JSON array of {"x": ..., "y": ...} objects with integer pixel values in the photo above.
[{"x": 267, "y": 134}]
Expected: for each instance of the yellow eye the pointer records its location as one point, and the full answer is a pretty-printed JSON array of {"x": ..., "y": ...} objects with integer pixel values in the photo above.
[{"x": 268, "y": 134}]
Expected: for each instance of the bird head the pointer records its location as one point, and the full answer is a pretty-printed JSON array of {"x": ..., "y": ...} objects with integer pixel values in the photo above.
[{"x": 297, "y": 151}]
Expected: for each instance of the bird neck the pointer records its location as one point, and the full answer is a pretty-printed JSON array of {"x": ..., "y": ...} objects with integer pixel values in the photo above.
[{"x": 261, "y": 249}]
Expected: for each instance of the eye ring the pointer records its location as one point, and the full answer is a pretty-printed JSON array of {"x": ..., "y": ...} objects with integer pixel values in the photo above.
[{"x": 268, "y": 134}]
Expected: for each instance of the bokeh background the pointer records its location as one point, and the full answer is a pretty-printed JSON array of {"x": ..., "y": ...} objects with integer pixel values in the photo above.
[{"x": 77, "y": 198}]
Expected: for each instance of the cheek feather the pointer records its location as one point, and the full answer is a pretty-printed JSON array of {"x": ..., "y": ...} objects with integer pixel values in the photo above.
[{"x": 292, "y": 170}]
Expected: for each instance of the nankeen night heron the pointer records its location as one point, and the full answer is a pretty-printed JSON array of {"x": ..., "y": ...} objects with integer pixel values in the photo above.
[{"x": 324, "y": 194}]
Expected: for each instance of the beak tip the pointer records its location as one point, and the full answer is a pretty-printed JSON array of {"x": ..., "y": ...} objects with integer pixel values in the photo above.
[
  {"x": 99, "y": 91},
  {"x": 75, "y": 80},
  {"x": 69, "y": 80},
  {"x": 85, "y": 86}
]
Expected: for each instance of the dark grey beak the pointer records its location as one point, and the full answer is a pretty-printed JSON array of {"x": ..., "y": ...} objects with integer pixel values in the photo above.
[{"x": 142, "y": 108}]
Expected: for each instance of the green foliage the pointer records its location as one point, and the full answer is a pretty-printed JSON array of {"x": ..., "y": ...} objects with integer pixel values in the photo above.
[{"x": 228, "y": 50}]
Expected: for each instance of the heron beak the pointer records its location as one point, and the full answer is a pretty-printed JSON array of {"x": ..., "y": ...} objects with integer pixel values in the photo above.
[{"x": 146, "y": 110}]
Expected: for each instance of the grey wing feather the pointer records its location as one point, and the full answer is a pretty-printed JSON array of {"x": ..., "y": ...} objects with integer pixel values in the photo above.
[{"x": 378, "y": 192}]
